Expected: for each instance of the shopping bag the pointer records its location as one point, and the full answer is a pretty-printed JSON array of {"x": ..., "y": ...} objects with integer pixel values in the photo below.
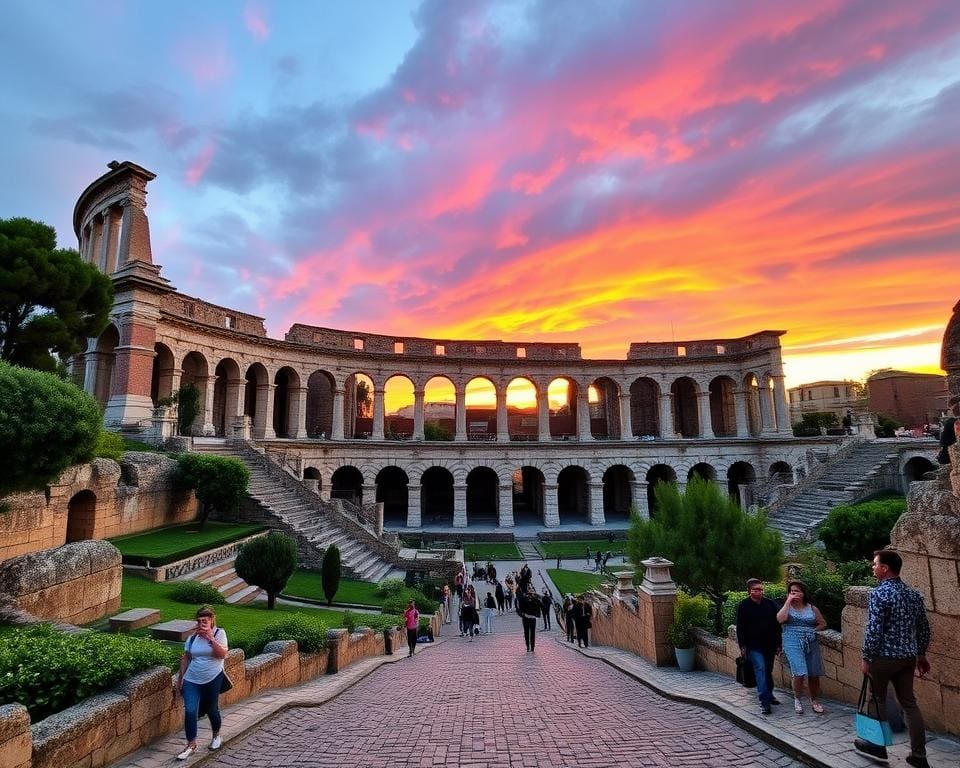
[
  {"x": 745, "y": 673},
  {"x": 868, "y": 723}
]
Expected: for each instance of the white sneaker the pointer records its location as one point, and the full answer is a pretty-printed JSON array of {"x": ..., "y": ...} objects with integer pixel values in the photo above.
[
  {"x": 217, "y": 742},
  {"x": 186, "y": 753}
]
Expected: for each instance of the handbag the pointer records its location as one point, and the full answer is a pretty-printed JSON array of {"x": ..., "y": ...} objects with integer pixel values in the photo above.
[
  {"x": 745, "y": 673},
  {"x": 868, "y": 723},
  {"x": 226, "y": 684}
]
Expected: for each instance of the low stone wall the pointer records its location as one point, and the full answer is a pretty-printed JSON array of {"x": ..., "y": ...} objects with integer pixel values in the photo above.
[
  {"x": 135, "y": 495},
  {"x": 76, "y": 583},
  {"x": 191, "y": 564}
]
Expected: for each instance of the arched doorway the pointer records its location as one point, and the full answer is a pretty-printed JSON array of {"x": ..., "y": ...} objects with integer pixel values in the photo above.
[
  {"x": 740, "y": 479},
  {"x": 916, "y": 468},
  {"x": 195, "y": 373},
  {"x": 562, "y": 395},
  {"x": 659, "y": 473},
  {"x": 358, "y": 406},
  {"x": 723, "y": 417},
  {"x": 480, "y": 398},
  {"x": 439, "y": 409},
  {"x": 528, "y": 488},
  {"x": 686, "y": 417},
  {"x": 702, "y": 470},
  {"x": 604, "y": 401},
  {"x": 392, "y": 491},
  {"x": 347, "y": 484},
  {"x": 522, "y": 416},
  {"x": 645, "y": 407},
  {"x": 398, "y": 398},
  {"x": 781, "y": 473},
  {"x": 573, "y": 495},
  {"x": 320, "y": 389},
  {"x": 161, "y": 377},
  {"x": 483, "y": 494},
  {"x": 436, "y": 497},
  {"x": 617, "y": 492},
  {"x": 81, "y": 516},
  {"x": 226, "y": 395},
  {"x": 285, "y": 393}
]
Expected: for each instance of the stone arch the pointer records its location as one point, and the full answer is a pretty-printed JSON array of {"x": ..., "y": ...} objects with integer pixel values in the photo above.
[
  {"x": 196, "y": 372},
  {"x": 398, "y": 396},
  {"x": 357, "y": 405},
  {"x": 781, "y": 472},
  {"x": 528, "y": 495},
  {"x": 161, "y": 376},
  {"x": 751, "y": 395},
  {"x": 604, "y": 402},
  {"x": 480, "y": 398},
  {"x": 226, "y": 395},
  {"x": 522, "y": 414},
  {"x": 392, "y": 489},
  {"x": 658, "y": 473},
  {"x": 573, "y": 494},
  {"x": 81, "y": 516},
  {"x": 312, "y": 473},
  {"x": 347, "y": 484},
  {"x": 723, "y": 415},
  {"x": 483, "y": 494},
  {"x": 686, "y": 415},
  {"x": 105, "y": 356},
  {"x": 255, "y": 395},
  {"x": 436, "y": 496},
  {"x": 740, "y": 479},
  {"x": 439, "y": 408},
  {"x": 915, "y": 468},
  {"x": 617, "y": 492},
  {"x": 645, "y": 407},
  {"x": 285, "y": 401},
  {"x": 562, "y": 397},
  {"x": 702, "y": 470},
  {"x": 320, "y": 389}
]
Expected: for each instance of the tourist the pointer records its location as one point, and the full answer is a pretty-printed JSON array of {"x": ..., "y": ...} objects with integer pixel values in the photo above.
[
  {"x": 524, "y": 579},
  {"x": 546, "y": 603},
  {"x": 445, "y": 598},
  {"x": 501, "y": 598},
  {"x": 801, "y": 620},
  {"x": 568, "y": 605},
  {"x": 589, "y": 557},
  {"x": 491, "y": 573},
  {"x": 895, "y": 643},
  {"x": 583, "y": 621},
  {"x": 597, "y": 560},
  {"x": 411, "y": 620},
  {"x": 489, "y": 609},
  {"x": 201, "y": 677},
  {"x": 759, "y": 633},
  {"x": 458, "y": 584},
  {"x": 529, "y": 609},
  {"x": 469, "y": 612},
  {"x": 948, "y": 430}
]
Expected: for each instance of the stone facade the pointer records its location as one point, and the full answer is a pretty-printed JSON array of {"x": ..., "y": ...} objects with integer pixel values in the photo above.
[
  {"x": 836, "y": 397},
  {"x": 96, "y": 501},
  {"x": 76, "y": 583},
  {"x": 913, "y": 399}
]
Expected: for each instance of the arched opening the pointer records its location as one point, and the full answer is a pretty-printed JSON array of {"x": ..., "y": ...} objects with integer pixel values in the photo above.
[
  {"x": 604, "y": 400},
  {"x": 106, "y": 358},
  {"x": 257, "y": 381},
  {"x": 226, "y": 395},
  {"x": 483, "y": 492},
  {"x": 439, "y": 409},
  {"x": 522, "y": 417},
  {"x": 768, "y": 395},
  {"x": 312, "y": 479},
  {"x": 781, "y": 473},
  {"x": 562, "y": 400},
  {"x": 702, "y": 470},
  {"x": 659, "y": 473},
  {"x": 347, "y": 484},
  {"x": 617, "y": 492},
  {"x": 723, "y": 416},
  {"x": 358, "y": 406},
  {"x": 436, "y": 497},
  {"x": 320, "y": 388},
  {"x": 81, "y": 516},
  {"x": 752, "y": 396},
  {"x": 392, "y": 491},
  {"x": 311, "y": 473},
  {"x": 528, "y": 488},
  {"x": 285, "y": 401},
  {"x": 686, "y": 418},
  {"x": 740, "y": 479},
  {"x": 195, "y": 372},
  {"x": 481, "y": 402},
  {"x": 573, "y": 495},
  {"x": 398, "y": 408},
  {"x": 916, "y": 468},
  {"x": 645, "y": 407},
  {"x": 161, "y": 377}
]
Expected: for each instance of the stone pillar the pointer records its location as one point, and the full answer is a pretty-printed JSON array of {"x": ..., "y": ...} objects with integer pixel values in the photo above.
[
  {"x": 781, "y": 408},
  {"x": 312, "y": 485},
  {"x": 377, "y": 430},
  {"x": 369, "y": 494},
  {"x": 626, "y": 417},
  {"x": 106, "y": 241},
  {"x": 503, "y": 431},
  {"x": 505, "y": 505},
  {"x": 596, "y": 504},
  {"x": 91, "y": 362},
  {"x": 543, "y": 416},
  {"x": 336, "y": 431},
  {"x": 413, "y": 506},
  {"x": 263, "y": 419},
  {"x": 640, "y": 501},
  {"x": 206, "y": 384},
  {"x": 297, "y": 412},
  {"x": 460, "y": 413},
  {"x": 740, "y": 410},
  {"x": 583, "y": 414},
  {"x": 624, "y": 589},
  {"x": 706, "y": 423},
  {"x": 459, "y": 505},
  {"x": 667, "y": 430},
  {"x": 130, "y": 403},
  {"x": 766, "y": 411},
  {"x": 96, "y": 237},
  {"x": 656, "y": 597},
  {"x": 233, "y": 403},
  {"x": 418, "y": 395},
  {"x": 551, "y": 509},
  {"x": 743, "y": 494}
]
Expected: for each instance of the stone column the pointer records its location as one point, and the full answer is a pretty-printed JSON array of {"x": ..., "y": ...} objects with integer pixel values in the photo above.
[
  {"x": 543, "y": 415},
  {"x": 128, "y": 398},
  {"x": 106, "y": 241},
  {"x": 97, "y": 233},
  {"x": 459, "y": 505},
  {"x": 640, "y": 500},
  {"x": 297, "y": 412},
  {"x": 706, "y": 423},
  {"x": 503, "y": 431},
  {"x": 766, "y": 411},
  {"x": 505, "y": 506},
  {"x": 114, "y": 248},
  {"x": 377, "y": 430},
  {"x": 667, "y": 430},
  {"x": 369, "y": 491},
  {"x": 418, "y": 414},
  {"x": 740, "y": 410},
  {"x": 551, "y": 509},
  {"x": 656, "y": 597},
  {"x": 91, "y": 362},
  {"x": 263, "y": 419},
  {"x": 207, "y": 383},
  {"x": 413, "y": 506},
  {"x": 233, "y": 403},
  {"x": 460, "y": 412},
  {"x": 626, "y": 418},
  {"x": 596, "y": 504},
  {"x": 781, "y": 408},
  {"x": 743, "y": 492},
  {"x": 336, "y": 430},
  {"x": 583, "y": 414}
]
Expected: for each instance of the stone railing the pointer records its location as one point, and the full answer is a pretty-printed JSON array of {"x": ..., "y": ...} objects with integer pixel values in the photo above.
[{"x": 191, "y": 564}]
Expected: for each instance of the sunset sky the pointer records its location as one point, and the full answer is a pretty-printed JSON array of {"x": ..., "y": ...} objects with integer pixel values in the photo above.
[{"x": 599, "y": 172}]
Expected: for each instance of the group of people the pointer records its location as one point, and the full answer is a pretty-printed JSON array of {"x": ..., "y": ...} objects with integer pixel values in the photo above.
[{"x": 578, "y": 618}]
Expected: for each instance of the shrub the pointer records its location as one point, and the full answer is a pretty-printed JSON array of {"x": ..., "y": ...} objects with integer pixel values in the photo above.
[
  {"x": 376, "y": 621},
  {"x": 267, "y": 562},
  {"x": 390, "y": 587},
  {"x": 853, "y": 532},
  {"x": 48, "y": 671},
  {"x": 220, "y": 482},
  {"x": 110, "y": 446},
  {"x": 397, "y": 603},
  {"x": 196, "y": 593},
  {"x": 309, "y": 632},
  {"x": 330, "y": 572},
  {"x": 689, "y": 611},
  {"x": 856, "y": 573},
  {"x": 188, "y": 407}
]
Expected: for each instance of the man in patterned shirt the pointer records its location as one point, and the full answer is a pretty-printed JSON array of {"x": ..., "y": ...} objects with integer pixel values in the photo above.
[{"x": 894, "y": 644}]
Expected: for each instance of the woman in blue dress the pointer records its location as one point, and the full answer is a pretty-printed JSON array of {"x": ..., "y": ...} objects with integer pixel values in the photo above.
[{"x": 801, "y": 620}]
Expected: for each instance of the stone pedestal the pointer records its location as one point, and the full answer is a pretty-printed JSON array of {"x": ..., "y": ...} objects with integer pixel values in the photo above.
[
  {"x": 624, "y": 589},
  {"x": 656, "y": 597}
]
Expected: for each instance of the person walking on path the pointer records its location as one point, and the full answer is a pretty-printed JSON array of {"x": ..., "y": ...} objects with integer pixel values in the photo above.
[
  {"x": 568, "y": 605},
  {"x": 501, "y": 598},
  {"x": 583, "y": 620},
  {"x": 589, "y": 558},
  {"x": 801, "y": 620},
  {"x": 201, "y": 678},
  {"x": 489, "y": 609},
  {"x": 598, "y": 561},
  {"x": 528, "y": 606},
  {"x": 547, "y": 603},
  {"x": 411, "y": 620},
  {"x": 445, "y": 604},
  {"x": 895, "y": 644},
  {"x": 759, "y": 636}
]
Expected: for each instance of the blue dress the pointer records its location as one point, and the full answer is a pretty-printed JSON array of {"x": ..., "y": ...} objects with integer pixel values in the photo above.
[{"x": 800, "y": 643}]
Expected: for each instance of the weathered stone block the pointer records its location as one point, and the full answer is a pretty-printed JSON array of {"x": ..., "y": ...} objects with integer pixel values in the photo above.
[
  {"x": 177, "y": 630},
  {"x": 136, "y": 618},
  {"x": 945, "y": 581}
]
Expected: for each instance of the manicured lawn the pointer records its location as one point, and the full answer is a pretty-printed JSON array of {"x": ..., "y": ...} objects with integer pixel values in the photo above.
[
  {"x": 481, "y": 551},
  {"x": 578, "y": 549},
  {"x": 309, "y": 584},
  {"x": 167, "y": 545},
  {"x": 140, "y": 447},
  {"x": 574, "y": 582}
]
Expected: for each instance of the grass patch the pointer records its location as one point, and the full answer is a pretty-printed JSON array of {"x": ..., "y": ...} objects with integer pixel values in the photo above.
[
  {"x": 481, "y": 551},
  {"x": 139, "y": 446},
  {"x": 575, "y": 582},
  {"x": 305, "y": 583},
  {"x": 176, "y": 542},
  {"x": 577, "y": 550}
]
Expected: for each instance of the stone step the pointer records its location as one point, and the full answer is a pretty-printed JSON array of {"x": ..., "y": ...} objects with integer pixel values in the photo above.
[{"x": 247, "y": 594}]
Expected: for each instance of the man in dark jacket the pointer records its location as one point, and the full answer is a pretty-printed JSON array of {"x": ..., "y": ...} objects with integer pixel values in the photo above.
[
  {"x": 583, "y": 621},
  {"x": 529, "y": 610},
  {"x": 546, "y": 603},
  {"x": 501, "y": 597},
  {"x": 758, "y": 634}
]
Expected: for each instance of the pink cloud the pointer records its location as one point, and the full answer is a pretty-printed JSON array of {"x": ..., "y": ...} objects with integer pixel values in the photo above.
[
  {"x": 207, "y": 61},
  {"x": 255, "y": 20},
  {"x": 199, "y": 165}
]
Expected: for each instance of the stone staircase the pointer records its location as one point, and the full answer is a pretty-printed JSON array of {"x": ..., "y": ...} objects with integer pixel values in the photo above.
[
  {"x": 224, "y": 577},
  {"x": 843, "y": 480},
  {"x": 311, "y": 521}
]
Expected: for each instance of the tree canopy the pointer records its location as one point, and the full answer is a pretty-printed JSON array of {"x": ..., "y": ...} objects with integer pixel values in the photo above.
[
  {"x": 50, "y": 300},
  {"x": 714, "y": 545},
  {"x": 268, "y": 562},
  {"x": 220, "y": 482}
]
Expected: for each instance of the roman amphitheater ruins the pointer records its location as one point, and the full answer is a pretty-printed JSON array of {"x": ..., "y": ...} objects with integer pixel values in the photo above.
[{"x": 714, "y": 407}]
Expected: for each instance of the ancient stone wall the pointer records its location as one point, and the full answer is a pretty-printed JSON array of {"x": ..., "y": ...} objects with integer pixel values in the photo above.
[
  {"x": 98, "y": 500},
  {"x": 204, "y": 312}
]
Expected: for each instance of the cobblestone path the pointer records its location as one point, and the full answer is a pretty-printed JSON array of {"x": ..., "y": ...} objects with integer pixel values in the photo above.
[{"x": 489, "y": 704}]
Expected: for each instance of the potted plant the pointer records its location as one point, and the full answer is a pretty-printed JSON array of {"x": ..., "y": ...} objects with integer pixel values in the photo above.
[{"x": 688, "y": 612}]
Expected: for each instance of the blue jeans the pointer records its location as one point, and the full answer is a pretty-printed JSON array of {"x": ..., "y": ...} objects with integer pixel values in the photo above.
[
  {"x": 197, "y": 698},
  {"x": 762, "y": 661}
]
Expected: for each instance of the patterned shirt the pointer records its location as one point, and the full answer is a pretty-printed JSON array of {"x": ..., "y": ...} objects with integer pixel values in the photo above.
[{"x": 897, "y": 625}]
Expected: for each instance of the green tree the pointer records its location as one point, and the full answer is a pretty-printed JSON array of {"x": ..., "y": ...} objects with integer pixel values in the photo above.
[
  {"x": 46, "y": 425},
  {"x": 187, "y": 399},
  {"x": 434, "y": 431},
  {"x": 220, "y": 482},
  {"x": 714, "y": 545},
  {"x": 364, "y": 398},
  {"x": 330, "y": 572},
  {"x": 856, "y": 531},
  {"x": 268, "y": 562},
  {"x": 887, "y": 426},
  {"x": 50, "y": 300}
]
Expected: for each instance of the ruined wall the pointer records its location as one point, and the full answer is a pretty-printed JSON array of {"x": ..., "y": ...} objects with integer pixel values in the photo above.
[{"x": 135, "y": 495}]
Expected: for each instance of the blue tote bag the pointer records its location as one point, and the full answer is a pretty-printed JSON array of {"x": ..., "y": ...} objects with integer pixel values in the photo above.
[{"x": 869, "y": 725}]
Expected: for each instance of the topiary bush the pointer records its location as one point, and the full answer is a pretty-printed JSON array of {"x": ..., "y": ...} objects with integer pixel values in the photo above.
[
  {"x": 196, "y": 593},
  {"x": 48, "y": 671},
  {"x": 330, "y": 572},
  {"x": 689, "y": 611},
  {"x": 268, "y": 562},
  {"x": 309, "y": 632},
  {"x": 855, "y": 531}
]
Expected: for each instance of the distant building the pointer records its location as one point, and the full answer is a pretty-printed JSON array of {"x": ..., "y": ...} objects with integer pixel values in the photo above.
[
  {"x": 913, "y": 399},
  {"x": 823, "y": 397}
]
